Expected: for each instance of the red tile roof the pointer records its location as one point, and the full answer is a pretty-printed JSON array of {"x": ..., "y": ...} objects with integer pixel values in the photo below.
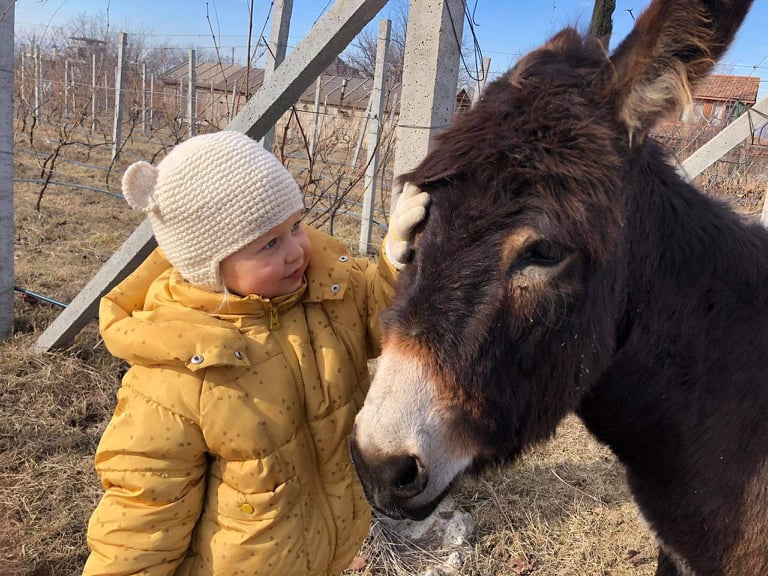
[{"x": 729, "y": 88}]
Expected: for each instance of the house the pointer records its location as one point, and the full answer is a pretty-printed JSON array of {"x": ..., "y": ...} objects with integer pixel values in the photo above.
[
  {"x": 717, "y": 102},
  {"x": 339, "y": 95},
  {"x": 222, "y": 91},
  {"x": 721, "y": 99}
]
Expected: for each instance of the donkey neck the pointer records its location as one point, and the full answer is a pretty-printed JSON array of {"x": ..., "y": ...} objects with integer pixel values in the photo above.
[{"x": 693, "y": 271}]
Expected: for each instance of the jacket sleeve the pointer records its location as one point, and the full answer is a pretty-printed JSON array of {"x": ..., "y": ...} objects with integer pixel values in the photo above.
[
  {"x": 118, "y": 305},
  {"x": 151, "y": 462},
  {"x": 380, "y": 282}
]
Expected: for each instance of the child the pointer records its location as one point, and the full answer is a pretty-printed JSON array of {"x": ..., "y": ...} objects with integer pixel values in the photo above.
[{"x": 227, "y": 451}]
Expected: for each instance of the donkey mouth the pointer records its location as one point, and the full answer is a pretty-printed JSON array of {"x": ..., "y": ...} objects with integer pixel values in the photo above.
[
  {"x": 407, "y": 510},
  {"x": 397, "y": 486}
]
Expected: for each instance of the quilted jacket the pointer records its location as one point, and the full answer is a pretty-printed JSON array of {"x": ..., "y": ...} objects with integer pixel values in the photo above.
[{"x": 227, "y": 450}]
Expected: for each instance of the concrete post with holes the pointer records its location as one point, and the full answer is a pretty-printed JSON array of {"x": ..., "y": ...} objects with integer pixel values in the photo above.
[
  {"x": 6, "y": 167},
  {"x": 374, "y": 133},
  {"x": 94, "y": 92},
  {"x": 119, "y": 96},
  {"x": 430, "y": 79},
  {"x": 277, "y": 48},
  {"x": 192, "y": 95}
]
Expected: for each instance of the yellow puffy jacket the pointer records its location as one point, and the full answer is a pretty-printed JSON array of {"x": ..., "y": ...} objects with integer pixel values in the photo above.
[{"x": 227, "y": 451}]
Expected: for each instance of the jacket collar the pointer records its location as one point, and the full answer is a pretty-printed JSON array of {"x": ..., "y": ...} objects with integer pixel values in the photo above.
[
  {"x": 181, "y": 323},
  {"x": 329, "y": 268}
]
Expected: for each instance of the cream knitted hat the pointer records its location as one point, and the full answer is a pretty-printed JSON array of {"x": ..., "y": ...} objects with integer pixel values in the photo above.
[{"x": 210, "y": 196}]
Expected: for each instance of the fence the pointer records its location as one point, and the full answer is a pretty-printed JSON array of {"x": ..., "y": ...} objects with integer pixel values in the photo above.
[
  {"x": 739, "y": 176},
  {"x": 322, "y": 142}
]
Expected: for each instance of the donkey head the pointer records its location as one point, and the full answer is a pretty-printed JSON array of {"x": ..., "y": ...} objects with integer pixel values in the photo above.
[{"x": 508, "y": 313}]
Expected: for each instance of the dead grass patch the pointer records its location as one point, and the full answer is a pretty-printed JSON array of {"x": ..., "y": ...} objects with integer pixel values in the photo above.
[{"x": 562, "y": 509}]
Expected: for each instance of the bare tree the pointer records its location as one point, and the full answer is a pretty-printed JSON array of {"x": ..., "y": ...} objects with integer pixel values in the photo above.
[
  {"x": 362, "y": 53},
  {"x": 601, "y": 26}
]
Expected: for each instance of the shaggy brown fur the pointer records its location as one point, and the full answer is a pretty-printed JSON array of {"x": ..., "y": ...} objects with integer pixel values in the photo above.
[{"x": 566, "y": 267}]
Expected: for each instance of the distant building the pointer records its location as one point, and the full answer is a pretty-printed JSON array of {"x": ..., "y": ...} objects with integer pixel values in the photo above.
[
  {"x": 717, "y": 102},
  {"x": 721, "y": 99},
  {"x": 340, "y": 93}
]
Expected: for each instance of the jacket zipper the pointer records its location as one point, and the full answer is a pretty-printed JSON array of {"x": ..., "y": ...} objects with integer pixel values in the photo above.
[{"x": 293, "y": 362}]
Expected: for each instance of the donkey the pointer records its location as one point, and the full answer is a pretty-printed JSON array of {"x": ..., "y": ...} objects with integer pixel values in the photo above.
[{"x": 567, "y": 267}]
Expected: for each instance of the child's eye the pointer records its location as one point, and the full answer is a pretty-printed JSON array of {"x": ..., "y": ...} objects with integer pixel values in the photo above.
[
  {"x": 271, "y": 243},
  {"x": 296, "y": 226}
]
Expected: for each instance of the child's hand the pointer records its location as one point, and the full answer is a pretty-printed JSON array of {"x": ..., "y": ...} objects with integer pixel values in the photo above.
[{"x": 409, "y": 213}]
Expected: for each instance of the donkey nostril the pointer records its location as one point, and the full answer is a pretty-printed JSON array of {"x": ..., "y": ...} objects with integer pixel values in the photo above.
[{"x": 409, "y": 475}]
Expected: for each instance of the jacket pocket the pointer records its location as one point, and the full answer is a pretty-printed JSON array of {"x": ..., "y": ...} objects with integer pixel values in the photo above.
[
  {"x": 229, "y": 502},
  {"x": 259, "y": 533}
]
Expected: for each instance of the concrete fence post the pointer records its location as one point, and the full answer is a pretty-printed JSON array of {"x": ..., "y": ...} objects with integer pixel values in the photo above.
[
  {"x": 119, "y": 96},
  {"x": 482, "y": 78},
  {"x": 374, "y": 134},
  {"x": 430, "y": 79},
  {"x": 38, "y": 83},
  {"x": 143, "y": 97},
  {"x": 67, "y": 80},
  {"x": 94, "y": 92},
  {"x": 276, "y": 50},
  {"x": 192, "y": 95},
  {"x": 6, "y": 167}
]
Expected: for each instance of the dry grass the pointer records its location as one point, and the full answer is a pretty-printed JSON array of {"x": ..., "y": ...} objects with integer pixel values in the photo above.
[
  {"x": 563, "y": 509},
  {"x": 54, "y": 408}
]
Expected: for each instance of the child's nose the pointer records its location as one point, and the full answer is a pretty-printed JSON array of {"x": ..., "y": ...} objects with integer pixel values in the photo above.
[{"x": 295, "y": 251}]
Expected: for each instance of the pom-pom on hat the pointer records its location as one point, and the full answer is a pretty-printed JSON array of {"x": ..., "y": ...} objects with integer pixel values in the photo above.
[{"x": 209, "y": 197}]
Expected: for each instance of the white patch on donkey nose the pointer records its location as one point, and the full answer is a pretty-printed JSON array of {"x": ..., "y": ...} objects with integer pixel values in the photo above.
[
  {"x": 401, "y": 385},
  {"x": 403, "y": 418}
]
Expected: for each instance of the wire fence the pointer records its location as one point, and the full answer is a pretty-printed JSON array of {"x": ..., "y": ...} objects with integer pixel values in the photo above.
[{"x": 77, "y": 91}]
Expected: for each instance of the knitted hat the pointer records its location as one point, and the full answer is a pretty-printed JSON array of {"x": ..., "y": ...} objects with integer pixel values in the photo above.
[{"x": 209, "y": 197}]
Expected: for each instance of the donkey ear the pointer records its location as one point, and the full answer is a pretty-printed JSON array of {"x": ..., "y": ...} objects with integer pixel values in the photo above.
[{"x": 674, "y": 44}]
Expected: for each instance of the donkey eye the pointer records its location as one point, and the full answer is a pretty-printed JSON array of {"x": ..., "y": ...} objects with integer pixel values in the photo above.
[
  {"x": 542, "y": 253},
  {"x": 545, "y": 253}
]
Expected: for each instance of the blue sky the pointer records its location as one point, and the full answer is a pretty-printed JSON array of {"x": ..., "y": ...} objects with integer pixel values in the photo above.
[{"x": 504, "y": 28}]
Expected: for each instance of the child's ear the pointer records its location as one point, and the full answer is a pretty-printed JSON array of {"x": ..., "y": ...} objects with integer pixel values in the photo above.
[{"x": 139, "y": 182}]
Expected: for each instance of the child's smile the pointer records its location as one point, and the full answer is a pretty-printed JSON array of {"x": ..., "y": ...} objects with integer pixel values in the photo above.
[{"x": 272, "y": 265}]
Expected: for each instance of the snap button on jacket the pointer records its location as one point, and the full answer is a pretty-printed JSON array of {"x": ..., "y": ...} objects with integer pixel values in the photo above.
[{"x": 227, "y": 450}]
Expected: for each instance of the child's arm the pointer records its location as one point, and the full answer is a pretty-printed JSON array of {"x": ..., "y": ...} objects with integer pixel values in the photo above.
[
  {"x": 409, "y": 215},
  {"x": 128, "y": 297},
  {"x": 380, "y": 282},
  {"x": 151, "y": 462}
]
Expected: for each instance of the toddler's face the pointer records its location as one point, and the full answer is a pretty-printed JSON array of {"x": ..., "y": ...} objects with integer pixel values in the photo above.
[{"x": 272, "y": 265}]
